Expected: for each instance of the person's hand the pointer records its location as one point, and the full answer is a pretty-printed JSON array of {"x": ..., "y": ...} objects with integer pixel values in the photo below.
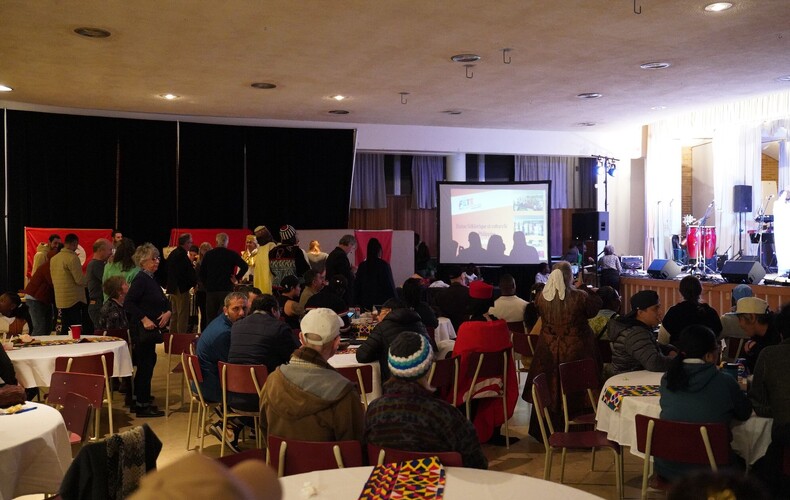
[
  {"x": 672, "y": 354},
  {"x": 164, "y": 318},
  {"x": 748, "y": 346},
  {"x": 147, "y": 323}
]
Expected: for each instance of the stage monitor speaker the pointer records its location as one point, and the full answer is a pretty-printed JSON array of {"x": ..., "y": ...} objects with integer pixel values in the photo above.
[
  {"x": 590, "y": 226},
  {"x": 743, "y": 271},
  {"x": 741, "y": 199},
  {"x": 663, "y": 269}
]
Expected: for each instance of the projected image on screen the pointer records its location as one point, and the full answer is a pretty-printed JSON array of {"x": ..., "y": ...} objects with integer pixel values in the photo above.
[{"x": 493, "y": 223}]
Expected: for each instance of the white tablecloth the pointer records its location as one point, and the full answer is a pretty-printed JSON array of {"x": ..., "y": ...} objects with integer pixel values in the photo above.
[
  {"x": 750, "y": 439},
  {"x": 350, "y": 359},
  {"x": 34, "y": 452},
  {"x": 339, "y": 484},
  {"x": 34, "y": 365},
  {"x": 445, "y": 330}
]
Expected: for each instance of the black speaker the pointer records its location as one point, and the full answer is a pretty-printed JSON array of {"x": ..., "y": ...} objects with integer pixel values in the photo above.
[
  {"x": 588, "y": 226},
  {"x": 741, "y": 199},
  {"x": 743, "y": 271},
  {"x": 663, "y": 269}
]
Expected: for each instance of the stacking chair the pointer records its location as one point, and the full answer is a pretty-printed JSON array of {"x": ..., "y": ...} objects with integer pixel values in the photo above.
[
  {"x": 290, "y": 456},
  {"x": 96, "y": 364},
  {"x": 241, "y": 379},
  {"x": 579, "y": 381},
  {"x": 487, "y": 365},
  {"x": 444, "y": 375},
  {"x": 123, "y": 333},
  {"x": 237, "y": 458},
  {"x": 175, "y": 345},
  {"x": 516, "y": 326},
  {"x": 87, "y": 385},
  {"x": 686, "y": 442},
  {"x": 579, "y": 440},
  {"x": 361, "y": 376},
  {"x": 194, "y": 378},
  {"x": 524, "y": 345},
  {"x": 76, "y": 414},
  {"x": 384, "y": 455}
]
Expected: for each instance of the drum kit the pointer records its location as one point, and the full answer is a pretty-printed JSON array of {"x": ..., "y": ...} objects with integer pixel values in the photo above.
[{"x": 701, "y": 243}]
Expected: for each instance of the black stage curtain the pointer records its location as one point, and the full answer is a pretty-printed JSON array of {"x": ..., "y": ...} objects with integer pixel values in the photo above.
[
  {"x": 587, "y": 180},
  {"x": 300, "y": 177},
  {"x": 211, "y": 176},
  {"x": 4, "y": 262}
]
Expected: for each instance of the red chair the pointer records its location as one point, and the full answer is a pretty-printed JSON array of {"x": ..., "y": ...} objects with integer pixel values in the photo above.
[
  {"x": 384, "y": 455},
  {"x": 175, "y": 344},
  {"x": 241, "y": 379},
  {"x": 444, "y": 375},
  {"x": 516, "y": 326},
  {"x": 686, "y": 442},
  {"x": 487, "y": 365},
  {"x": 76, "y": 413},
  {"x": 237, "y": 458},
  {"x": 579, "y": 382},
  {"x": 581, "y": 440},
  {"x": 96, "y": 364},
  {"x": 524, "y": 345},
  {"x": 194, "y": 378},
  {"x": 290, "y": 456},
  {"x": 87, "y": 385},
  {"x": 361, "y": 376}
]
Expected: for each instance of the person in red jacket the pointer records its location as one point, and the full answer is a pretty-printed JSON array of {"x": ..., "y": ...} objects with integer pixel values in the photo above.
[{"x": 40, "y": 295}]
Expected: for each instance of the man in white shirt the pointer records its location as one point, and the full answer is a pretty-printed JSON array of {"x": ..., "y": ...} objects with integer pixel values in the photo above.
[{"x": 508, "y": 306}]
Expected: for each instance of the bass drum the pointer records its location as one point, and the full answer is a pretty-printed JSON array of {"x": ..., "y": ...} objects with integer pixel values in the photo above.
[{"x": 704, "y": 237}]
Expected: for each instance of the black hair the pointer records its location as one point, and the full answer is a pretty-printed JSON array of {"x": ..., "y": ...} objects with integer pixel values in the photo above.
[
  {"x": 476, "y": 308},
  {"x": 71, "y": 238},
  {"x": 53, "y": 237},
  {"x": 124, "y": 253},
  {"x": 374, "y": 249},
  {"x": 690, "y": 288},
  {"x": 17, "y": 312},
  {"x": 782, "y": 321},
  {"x": 265, "y": 303},
  {"x": 695, "y": 342},
  {"x": 609, "y": 297},
  {"x": 394, "y": 303},
  {"x": 412, "y": 292}
]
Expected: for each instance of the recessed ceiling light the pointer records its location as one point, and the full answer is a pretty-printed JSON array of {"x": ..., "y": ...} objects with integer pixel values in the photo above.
[
  {"x": 338, "y": 112},
  {"x": 718, "y": 6},
  {"x": 263, "y": 85},
  {"x": 655, "y": 65},
  {"x": 465, "y": 58},
  {"x": 452, "y": 112},
  {"x": 4, "y": 88},
  {"x": 658, "y": 108},
  {"x": 338, "y": 97},
  {"x": 91, "y": 32},
  {"x": 169, "y": 97},
  {"x": 589, "y": 95},
  {"x": 785, "y": 78},
  {"x": 586, "y": 124}
]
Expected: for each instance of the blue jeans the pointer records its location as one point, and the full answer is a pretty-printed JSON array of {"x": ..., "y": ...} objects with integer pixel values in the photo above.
[{"x": 41, "y": 315}]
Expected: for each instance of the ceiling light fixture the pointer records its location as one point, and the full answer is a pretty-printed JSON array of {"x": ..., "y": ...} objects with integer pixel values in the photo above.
[
  {"x": 4, "y": 88},
  {"x": 452, "y": 112},
  {"x": 718, "y": 6},
  {"x": 658, "y": 108},
  {"x": 263, "y": 85},
  {"x": 785, "y": 78},
  {"x": 338, "y": 112},
  {"x": 586, "y": 124},
  {"x": 90, "y": 32},
  {"x": 465, "y": 58},
  {"x": 655, "y": 65},
  {"x": 169, "y": 97},
  {"x": 337, "y": 97},
  {"x": 589, "y": 95}
]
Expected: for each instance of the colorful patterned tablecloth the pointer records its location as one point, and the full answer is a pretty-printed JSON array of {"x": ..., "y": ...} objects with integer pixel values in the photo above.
[
  {"x": 44, "y": 343},
  {"x": 614, "y": 394},
  {"x": 418, "y": 479}
]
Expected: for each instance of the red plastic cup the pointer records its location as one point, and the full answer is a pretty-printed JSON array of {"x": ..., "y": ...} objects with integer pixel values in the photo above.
[{"x": 76, "y": 330}]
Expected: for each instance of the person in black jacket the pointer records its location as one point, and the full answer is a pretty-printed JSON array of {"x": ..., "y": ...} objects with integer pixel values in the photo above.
[
  {"x": 217, "y": 274},
  {"x": 181, "y": 277},
  {"x": 395, "y": 317},
  {"x": 337, "y": 263},
  {"x": 690, "y": 311},
  {"x": 373, "y": 283},
  {"x": 412, "y": 294}
]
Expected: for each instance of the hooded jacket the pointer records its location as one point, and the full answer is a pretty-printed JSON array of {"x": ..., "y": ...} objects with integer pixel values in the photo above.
[
  {"x": 634, "y": 347},
  {"x": 308, "y": 400}
]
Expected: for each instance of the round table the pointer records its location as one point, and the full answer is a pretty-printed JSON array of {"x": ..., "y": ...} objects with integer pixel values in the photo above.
[
  {"x": 34, "y": 451},
  {"x": 34, "y": 365},
  {"x": 750, "y": 439},
  {"x": 461, "y": 483}
]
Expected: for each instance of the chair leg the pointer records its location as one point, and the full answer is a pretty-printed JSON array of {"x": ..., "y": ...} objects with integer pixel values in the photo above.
[
  {"x": 562, "y": 466},
  {"x": 167, "y": 394},
  {"x": 547, "y": 465},
  {"x": 507, "y": 427},
  {"x": 189, "y": 422},
  {"x": 224, "y": 430},
  {"x": 109, "y": 404},
  {"x": 618, "y": 474},
  {"x": 592, "y": 463},
  {"x": 201, "y": 429}
]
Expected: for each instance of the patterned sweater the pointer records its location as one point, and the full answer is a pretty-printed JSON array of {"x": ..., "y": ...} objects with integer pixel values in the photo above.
[{"x": 408, "y": 417}]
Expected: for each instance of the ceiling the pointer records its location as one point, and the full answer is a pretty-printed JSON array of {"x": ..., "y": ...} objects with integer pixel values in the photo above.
[{"x": 209, "y": 53}]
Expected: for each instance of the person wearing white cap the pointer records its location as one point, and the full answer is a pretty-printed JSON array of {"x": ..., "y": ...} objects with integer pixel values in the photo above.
[
  {"x": 756, "y": 319},
  {"x": 307, "y": 399}
]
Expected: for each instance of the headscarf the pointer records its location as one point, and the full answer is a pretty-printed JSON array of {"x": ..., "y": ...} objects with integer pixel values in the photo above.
[{"x": 555, "y": 286}]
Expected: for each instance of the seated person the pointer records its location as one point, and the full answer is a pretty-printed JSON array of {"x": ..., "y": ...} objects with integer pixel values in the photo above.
[
  {"x": 314, "y": 281},
  {"x": 611, "y": 309},
  {"x": 412, "y": 294},
  {"x": 531, "y": 314},
  {"x": 694, "y": 390},
  {"x": 290, "y": 308},
  {"x": 14, "y": 317},
  {"x": 395, "y": 317},
  {"x": 542, "y": 275},
  {"x": 508, "y": 306},
  {"x": 331, "y": 297},
  {"x": 408, "y": 417},
  {"x": 111, "y": 315},
  {"x": 307, "y": 399},
  {"x": 634, "y": 345},
  {"x": 453, "y": 300},
  {"x": 756, "y": 319},
  {"x": 690, "y": 311},
  {"x": 729, "y": 322}
]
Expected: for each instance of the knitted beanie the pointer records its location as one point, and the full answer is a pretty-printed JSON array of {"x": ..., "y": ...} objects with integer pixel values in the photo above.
[
  {"x": 410, "y": 356},
  {"x": 287, "y": 232}
]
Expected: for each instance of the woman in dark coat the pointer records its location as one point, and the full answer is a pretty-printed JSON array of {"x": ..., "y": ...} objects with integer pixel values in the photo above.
[{"x": 373, "y": 284}]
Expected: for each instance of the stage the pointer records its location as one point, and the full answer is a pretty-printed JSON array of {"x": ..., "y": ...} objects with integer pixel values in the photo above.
[{"x": 717, "y": 294}]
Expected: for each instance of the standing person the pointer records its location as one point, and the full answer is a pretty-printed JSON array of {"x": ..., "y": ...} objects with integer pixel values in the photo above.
[
  {"x": 690, "y": 311},
  {"x": 316, "y": 257},
  {"x": 149, "y": 312},
  {"x": 200, "y": 288},
  {"x": 40, "y": 296},
  {"x": 337, "y": 263},
  {"x": 122, "y": 262},
  {"x": 262, "y": 275},
  {"x": 181, "y": 277},
  {"x": 250, "y": 256},
  {"x": 102, "y": 250},
  {"x": 422, "y": 256},
  {"x": 373, "y": 283},
  {"x": 69, "y": 284},
  {"x": 42, "y": 251},
  {"x": 287, "y": 259},
  {"x": 218, "y": 274},
  {"x": 610, "y": 268},
  {"x": 508, "y": 306}
]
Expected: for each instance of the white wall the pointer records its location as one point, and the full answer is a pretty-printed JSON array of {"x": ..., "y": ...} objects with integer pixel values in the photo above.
[
  {"x": 627, "y": 208},
  {"x": 702, "y": 180}
]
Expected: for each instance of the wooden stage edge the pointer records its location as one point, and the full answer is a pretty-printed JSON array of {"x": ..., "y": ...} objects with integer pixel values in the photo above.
[{"x": 717, "y": 295}]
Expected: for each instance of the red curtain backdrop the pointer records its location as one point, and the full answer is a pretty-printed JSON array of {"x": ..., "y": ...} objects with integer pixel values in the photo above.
[
  {"x": 36, "y": 235},
  {"x": 235, "y": 243},
  {"x": 384, "y": 237}
]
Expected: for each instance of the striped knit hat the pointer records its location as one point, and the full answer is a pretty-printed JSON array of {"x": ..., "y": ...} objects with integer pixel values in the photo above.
[
  {"x": 287, "y": 232},
  {"x": 410, "y": 356}
]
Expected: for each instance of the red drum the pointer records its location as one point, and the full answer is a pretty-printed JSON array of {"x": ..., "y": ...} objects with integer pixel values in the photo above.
[{"x": 704, "y": 236}]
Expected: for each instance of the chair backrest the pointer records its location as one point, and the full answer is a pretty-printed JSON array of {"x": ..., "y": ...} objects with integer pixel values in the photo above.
[
  {"x": 243, "y": 379},
  {"x": 379, "y": 455},
  {"x": 444, "y": 375},
  {"x": 76, "y": 413},
  {"x": 516, "y": 326},
  {"x": 176, "y": 343},
  {"x": 522, "y": 345},
  {"x": 580, "y": 376},
  {"x": 541, "y": 398},
  {"x": 290, "y": 456},
  {"x": 96, "y": 364},
  {"x": 686, "y": 442},
  {"x": 488, "y": 364},
  {"x": 359, "y": 374},
  {"x": 193, "y": 373},
  {"x": 87, "y": 385},
  {"x": 237, "y": 458}
]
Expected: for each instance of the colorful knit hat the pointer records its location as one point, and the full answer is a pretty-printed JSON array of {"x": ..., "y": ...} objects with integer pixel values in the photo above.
[
  {"x": 287, "y": 232},
  {"x": 410, "y": 356}
]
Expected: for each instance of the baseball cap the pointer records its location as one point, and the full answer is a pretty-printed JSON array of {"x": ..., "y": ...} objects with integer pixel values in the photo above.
[
  {"x": 741, "y": 291},
  {"x": 751, "y": 305},
  {"x": 322, "y": 322}
]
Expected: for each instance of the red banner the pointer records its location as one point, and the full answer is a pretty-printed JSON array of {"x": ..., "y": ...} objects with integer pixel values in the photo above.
[
  {"x": 36, "y": 235},
  {"x": 363, "y": 236},
  {"x": 236, "y": 237}
]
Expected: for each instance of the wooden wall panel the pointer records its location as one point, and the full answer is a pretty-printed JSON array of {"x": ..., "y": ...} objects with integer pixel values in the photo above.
[{"x": 399, "y": 215}]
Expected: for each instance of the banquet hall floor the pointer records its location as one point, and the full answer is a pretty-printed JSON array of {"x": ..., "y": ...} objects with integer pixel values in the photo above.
[{"x": 525, "y": 457}]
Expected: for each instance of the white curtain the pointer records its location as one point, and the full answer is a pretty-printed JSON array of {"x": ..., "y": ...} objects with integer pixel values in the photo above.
[
  {"x": 662, "y": 191},
  {"x": 368, "y": 188},
  {"x": 426, "y": 171},
  {"x": 784, "y": 165},
  {"x": 558, "y": 169}
]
